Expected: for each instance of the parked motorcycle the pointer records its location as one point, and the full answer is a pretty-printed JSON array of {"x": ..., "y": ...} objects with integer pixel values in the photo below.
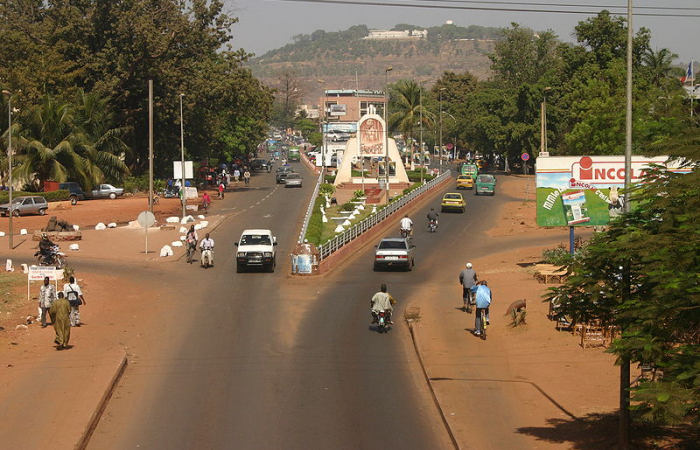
[
  {"x": 55, "y": 257},
  {"x": 432, "y": 226}
]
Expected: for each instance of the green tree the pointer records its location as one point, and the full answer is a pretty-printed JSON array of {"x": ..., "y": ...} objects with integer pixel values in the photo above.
[
  {"x": 641, "y": 275},
  {"x": 405, "y": 108}
]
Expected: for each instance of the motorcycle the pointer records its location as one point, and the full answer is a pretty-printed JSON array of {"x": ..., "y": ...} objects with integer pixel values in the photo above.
[
  {"x": 382, "y": 318},
  {"x": 55, "y": 257},
  {"x": 432, "y": 226},
  {"x": 405, "y": 232},
  {"x": 207, "y": 258}
]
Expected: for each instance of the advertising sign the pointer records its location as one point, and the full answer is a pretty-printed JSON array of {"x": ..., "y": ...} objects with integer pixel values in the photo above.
[
  {"x": 585, "y": 190},
  {"x": 37, "y": 273},
  {"x": 338, "y": 110}
]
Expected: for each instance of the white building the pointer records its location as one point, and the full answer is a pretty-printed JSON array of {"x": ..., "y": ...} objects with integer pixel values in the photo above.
[{"x": 390, "y": 34}]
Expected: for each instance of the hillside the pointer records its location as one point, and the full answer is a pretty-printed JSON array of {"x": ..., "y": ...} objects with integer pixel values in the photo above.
[{"x": 338, "y": 57}]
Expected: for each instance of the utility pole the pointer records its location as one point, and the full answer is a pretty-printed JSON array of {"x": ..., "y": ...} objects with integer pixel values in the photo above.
[
  {"x": 386, "y": 129},
  {"x": 9, "y": 165},
  {"x": 182, "y": 159},
  {"x": 150, "y": 145},
  {"x": 440, "y": 163}
]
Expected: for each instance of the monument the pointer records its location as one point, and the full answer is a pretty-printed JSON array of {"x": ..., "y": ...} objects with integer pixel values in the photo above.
[{"x": 366, "y": 153}]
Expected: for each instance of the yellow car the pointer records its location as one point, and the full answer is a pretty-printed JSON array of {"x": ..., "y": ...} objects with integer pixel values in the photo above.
[
  {"x": 465, "y": 182},
  {"x": 453, "y": 201}
]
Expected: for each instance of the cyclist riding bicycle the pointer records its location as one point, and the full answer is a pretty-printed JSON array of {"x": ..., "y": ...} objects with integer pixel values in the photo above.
[
  {"x": 484, "y": 297},
  {"x": 467, "y": 278}
]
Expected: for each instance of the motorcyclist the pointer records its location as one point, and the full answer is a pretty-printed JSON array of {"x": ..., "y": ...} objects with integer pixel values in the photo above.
[
  {"x": 407, "y": 225},
  {"x": 467, "y": 278},
  {"x": 45, "y": 247},
  {"x": 207, "y": 245},
  {"x": 382, "y": 301},
  {"x": 433, "y": 216}
]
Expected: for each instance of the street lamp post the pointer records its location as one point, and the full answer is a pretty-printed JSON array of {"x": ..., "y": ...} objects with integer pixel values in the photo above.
[
  {"x": 543, "y": 121},
  {"x": 386, "y": 129},
  {"x": 9, "y": 163},
  {"x": 182, "y": 159},
  {"x": 322, "y": 123},
  {"x": 440, "y": 150},
  {"x": 420, "y": 101}
]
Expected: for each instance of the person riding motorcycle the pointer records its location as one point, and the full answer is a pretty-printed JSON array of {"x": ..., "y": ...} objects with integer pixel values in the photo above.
[
  {"x": 433, "y": 217},
  {"x": 382, "y": 301},
  {"x": 45, "y": 247},
  {"x": 406, "y": 226},
  {"x": 191, "y": 242},
  {"x": 207, "y": 249}
]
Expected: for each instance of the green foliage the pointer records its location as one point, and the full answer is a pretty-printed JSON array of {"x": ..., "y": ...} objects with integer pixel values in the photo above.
[
  {"x": 359, "y": 193},
  {"x": 559, "y": 256},
  {"x": 517, "y": 318},
  {"x": 135, "y": 185},
  {"x": 52, "y": 196},
  {"x": 347, "y": 206},
  {"x": 326, "y": 188},
  {"x": 414, "y": 176},
  {"x": 641, "y": 275},
  {"x": 329, "y": 179},
  {"x": 314, "y": 231}
]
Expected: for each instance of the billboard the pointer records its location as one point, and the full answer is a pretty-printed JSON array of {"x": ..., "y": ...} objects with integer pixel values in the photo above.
[
  {"x": 585, "y": 190},
  {"x": 338, "y": 110}
]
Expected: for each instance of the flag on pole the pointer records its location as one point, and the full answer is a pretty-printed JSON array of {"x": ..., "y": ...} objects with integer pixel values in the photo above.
[{"x": 689, "y": 76}]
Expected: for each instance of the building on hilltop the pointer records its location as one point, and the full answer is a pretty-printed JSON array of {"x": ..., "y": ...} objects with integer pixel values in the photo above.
[{"x": 389, "y": 34}]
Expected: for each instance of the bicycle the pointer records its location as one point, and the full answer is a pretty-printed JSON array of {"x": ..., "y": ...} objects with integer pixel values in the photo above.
[{"x": 484, "y": 323}]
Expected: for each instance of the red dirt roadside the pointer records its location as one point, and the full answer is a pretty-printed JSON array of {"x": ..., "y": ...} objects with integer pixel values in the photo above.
[{"x": 529, "y": 387}]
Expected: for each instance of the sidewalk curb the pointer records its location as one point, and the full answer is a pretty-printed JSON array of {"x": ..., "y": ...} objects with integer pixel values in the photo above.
[
  {"x": 414, "y": 337},
  {"x": 102, "y": 405}
]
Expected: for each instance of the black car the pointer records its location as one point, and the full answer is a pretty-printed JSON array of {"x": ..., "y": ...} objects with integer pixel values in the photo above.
[{"x": 259, "y": 164}]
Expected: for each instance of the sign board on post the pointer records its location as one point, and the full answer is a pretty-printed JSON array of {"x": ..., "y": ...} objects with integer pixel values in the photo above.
[
  {"x": 38, "y": 273},
  {"x": 585, "y": 190},
  {"x": 146, "y": 219},
  {"x": 177, "y": 170},
  {"x": 525, "y": 156}
]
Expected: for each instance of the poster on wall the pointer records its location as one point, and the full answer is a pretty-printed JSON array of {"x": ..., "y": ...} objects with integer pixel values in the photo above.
[{"x": 586, "y": 190}]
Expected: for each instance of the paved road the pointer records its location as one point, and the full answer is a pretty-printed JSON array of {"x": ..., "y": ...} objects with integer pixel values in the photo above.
[{"x": 260, "y": 361}]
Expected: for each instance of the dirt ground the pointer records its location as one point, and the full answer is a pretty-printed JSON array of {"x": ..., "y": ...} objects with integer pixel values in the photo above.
[{"x": 545, "y": 389}]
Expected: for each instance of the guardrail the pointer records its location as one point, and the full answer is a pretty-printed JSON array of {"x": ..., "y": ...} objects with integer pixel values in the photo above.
[
  {"x": 310, "y": 208},
  {"x": 325, "y": 250}
]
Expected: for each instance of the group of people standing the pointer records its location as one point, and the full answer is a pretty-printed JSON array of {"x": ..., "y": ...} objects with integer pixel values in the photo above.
[{"x": 63, "y": 308}]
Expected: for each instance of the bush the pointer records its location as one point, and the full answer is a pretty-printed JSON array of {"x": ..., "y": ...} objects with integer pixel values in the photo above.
[
  {"x": 347, "y": 207},
  {"x": 559, "y": 256},
  {"x": 414, "y": 176},
  {"x": 326, "y": 188},
  {"x": 329, "y": 178},
  {"x": 314, "y": 231},
  {"x": 358, "y": 193},
  {"x": 134, "y": 185},
  {"x": 53, "y": 196}
]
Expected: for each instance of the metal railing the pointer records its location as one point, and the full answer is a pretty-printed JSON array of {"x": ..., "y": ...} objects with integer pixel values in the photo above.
[
  {"x": 310, "y": 209},
  {"x": 347, "y": 236}
]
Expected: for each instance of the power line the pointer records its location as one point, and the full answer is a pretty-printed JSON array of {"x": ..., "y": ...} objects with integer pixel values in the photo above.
[
  {"x": 562, "y": 5},
  {"x": 476, "y": 8}
]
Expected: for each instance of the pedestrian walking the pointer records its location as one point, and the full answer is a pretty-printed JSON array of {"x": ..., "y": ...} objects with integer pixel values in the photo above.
[
  {"x": 236, "y": 175},
  {"x": 47, "y": 295},
  {"x": 60, "y": 318},
  {"x": 221, "y": 190},
  {"x": 75, "y": 298},
  {"x": 246, "y": 177}
]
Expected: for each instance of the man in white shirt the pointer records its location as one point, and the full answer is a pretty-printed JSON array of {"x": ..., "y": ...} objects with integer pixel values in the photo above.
[
  {"x": 207, "y": 247},
  {"x": 407, "y": 225},
  {"x": 74, "y": 294}
]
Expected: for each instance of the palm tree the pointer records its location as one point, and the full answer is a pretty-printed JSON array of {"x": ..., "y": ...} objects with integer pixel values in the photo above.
[
  {"x": 49, "y": 144},
  {"x": 659, "y": 64},
  {"x": 405, "y": 109},
  {"x": 104, "y": 151}
]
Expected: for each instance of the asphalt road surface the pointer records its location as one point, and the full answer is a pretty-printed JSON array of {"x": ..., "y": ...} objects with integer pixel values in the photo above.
[{"x": 270, "y": 361}]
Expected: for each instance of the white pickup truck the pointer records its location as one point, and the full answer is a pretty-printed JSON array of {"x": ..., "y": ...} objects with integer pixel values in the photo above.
[{"x": 256, "y": 248}]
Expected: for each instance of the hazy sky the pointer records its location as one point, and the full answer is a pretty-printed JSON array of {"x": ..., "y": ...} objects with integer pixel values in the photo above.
[{"x": 268, "y": 24}]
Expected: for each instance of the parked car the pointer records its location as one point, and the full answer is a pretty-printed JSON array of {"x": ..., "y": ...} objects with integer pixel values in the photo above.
[
  {"x": 25, "y": 205},
  {"x": 256, "y": 248},
  {"x": 485, "y": 184},
  {"x": 76, "y": 192},
  {"x": 453, "y": 201},
  {"x": 106, "y": 191},
  {"x": 337, "y": 136},
  {"x": 293, "y": 180},
  {"x": 394, "y": 252}
]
